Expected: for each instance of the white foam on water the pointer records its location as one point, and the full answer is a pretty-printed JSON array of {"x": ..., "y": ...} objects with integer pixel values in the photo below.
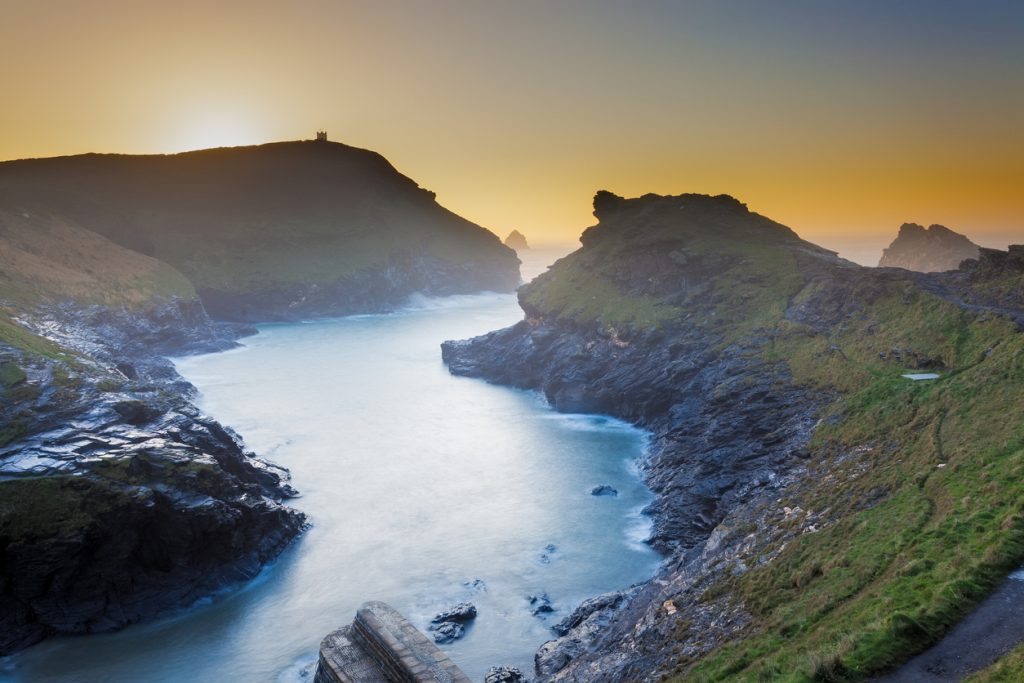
[
  {"x": 586, "y": 422},
  {"x": 638, "y": 528},
  {"x": 301, "y": 670}
]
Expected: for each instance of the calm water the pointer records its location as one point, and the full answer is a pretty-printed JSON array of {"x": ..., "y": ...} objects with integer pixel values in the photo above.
[{"x": 416, "y": 482}]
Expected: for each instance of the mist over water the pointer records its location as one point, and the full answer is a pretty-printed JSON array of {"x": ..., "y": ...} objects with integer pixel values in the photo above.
[{"x": 416, "y": 482}]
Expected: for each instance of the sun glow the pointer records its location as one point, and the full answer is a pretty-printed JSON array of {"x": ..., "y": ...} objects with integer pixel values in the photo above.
[{"x": 220, "y": 128}]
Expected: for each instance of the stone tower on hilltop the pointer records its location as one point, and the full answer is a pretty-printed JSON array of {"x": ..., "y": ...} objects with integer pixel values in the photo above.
[{"x": 321, "y": 136}]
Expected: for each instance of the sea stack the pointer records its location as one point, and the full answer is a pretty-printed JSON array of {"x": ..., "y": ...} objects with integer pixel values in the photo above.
[
  {"x": 932, "y": 250},
  {"x": 516, "y": 240}
]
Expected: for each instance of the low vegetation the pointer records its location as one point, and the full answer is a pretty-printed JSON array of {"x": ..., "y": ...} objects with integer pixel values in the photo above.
[{"x": 917, "y": 482}]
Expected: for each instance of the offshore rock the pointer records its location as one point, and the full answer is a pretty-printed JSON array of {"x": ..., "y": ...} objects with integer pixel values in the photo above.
[
  {"x": 516, "y": 240},
  {"x": 461, "y": 613},
  {"x": 505, "y": 674},
  {"x": 540, "y": 605},
  {"x": 934, "y": 249},
  {"x": 447, "y": 632}
]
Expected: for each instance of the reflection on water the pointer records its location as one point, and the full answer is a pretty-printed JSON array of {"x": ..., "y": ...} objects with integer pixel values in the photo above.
[{"x": 417, "y": 484}]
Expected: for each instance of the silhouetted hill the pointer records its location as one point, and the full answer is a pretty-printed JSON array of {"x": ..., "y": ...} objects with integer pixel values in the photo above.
[
  {"x": 281, "y": 230},
  {"x": 930, "y": 250}
]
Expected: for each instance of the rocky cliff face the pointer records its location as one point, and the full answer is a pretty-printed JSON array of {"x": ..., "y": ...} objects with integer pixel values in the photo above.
[
  {"x": 118, "y": 497},
  {"x": 930, "y": 250},
  {"x": 784, "y": 440},
  {"x": 278, "y": 231}
]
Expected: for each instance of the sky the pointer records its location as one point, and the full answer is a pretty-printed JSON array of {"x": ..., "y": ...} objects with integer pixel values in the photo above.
[{"x": 840, "y": 119}]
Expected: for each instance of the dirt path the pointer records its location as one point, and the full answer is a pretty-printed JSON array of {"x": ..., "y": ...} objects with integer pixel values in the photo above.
[{"x": 989, "y": 632}]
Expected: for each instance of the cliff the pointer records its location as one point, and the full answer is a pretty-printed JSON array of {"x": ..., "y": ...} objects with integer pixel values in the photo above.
[
  {"x": 822, "y": 517},
  {"x": 277, "y": 231},
  {"x": 930, "y": 250},
  {"x": 118, "y": 498}
]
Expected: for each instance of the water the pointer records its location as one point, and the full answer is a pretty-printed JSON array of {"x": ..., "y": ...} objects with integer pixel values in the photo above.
[{"x": 415, "y": 481}]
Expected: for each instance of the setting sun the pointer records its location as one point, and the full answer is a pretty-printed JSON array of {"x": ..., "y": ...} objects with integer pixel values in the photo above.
[{"x": 203, "y": 128}]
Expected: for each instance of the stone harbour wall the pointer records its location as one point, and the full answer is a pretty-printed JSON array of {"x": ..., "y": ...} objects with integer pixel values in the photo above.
[{"x": 381, "y": 646}]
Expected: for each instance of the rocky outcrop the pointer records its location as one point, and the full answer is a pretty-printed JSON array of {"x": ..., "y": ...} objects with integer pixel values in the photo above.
[
  {"x": 450, "y": 625},
  {"x": 690, "y": 316},
  {"x": 516, "y": 240},
  {"x": 119, "y": 499},
  {"x": 928, "y": 250},
  {"x": 505, "y": 674}
]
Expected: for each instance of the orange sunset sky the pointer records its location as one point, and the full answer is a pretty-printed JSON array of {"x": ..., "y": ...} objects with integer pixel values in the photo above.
[{"x": 840, "y": 119}]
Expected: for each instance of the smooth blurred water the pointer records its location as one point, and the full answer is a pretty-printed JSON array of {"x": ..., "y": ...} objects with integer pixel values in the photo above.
[{"x": 415, "y": 482}]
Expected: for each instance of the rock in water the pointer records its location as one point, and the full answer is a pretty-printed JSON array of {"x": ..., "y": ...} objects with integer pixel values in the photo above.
[
  {"x": 505, "y": 674},
  {"x": 540, "y": 605},
  {"x": 461, "y": 613},
  {"x": 604, "y": 490},
  {"x": 930, "y": 250},
  {"x": 516, "y": 240},
  {"x": 476, "y": 585},
  {"x": 449, "y": 625},
  {"x": 549, "y": 550},
  {"x": 447, "y": 632}
]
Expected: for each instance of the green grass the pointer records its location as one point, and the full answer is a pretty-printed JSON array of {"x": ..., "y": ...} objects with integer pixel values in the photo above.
[
  {"x": 10, "y": 374},
  {"x": 583, "y": 296},
  {"x": 733, "y": 284},
  {"x": 17, "y": 336},
  {"x": 11, "y": 431},
  {"x": 43, "y": 507},
  {"x": 887, "y": 580}
]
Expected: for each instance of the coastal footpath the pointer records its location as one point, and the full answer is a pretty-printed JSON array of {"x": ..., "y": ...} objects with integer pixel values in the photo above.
[{"x": 824, "y": 517}]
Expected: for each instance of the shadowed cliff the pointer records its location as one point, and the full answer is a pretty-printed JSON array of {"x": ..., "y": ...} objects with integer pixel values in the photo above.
[{"x": 276, "y": 231}]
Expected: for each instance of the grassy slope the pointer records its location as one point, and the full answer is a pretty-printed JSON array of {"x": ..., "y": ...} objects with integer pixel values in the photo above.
[
  {"x": 886, "y": 579},
  {"x": 238, "y": 219},
  {"x": 46, "y": 258},
  {"x": 737, "y": 267}
]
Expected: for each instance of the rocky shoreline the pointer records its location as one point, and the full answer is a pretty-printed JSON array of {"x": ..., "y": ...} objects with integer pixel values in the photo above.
[
  {"x": 120, "y": 499},
  {"x": 731, "y": 460},
  {"x": 734, "y": 435}
]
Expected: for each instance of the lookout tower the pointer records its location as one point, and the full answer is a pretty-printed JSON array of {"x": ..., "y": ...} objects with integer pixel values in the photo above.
[{"x": 321, "y": 136}]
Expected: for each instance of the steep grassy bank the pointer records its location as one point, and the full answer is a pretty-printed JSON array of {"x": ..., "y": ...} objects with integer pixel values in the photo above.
[{"x": 845, "y": 516}]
